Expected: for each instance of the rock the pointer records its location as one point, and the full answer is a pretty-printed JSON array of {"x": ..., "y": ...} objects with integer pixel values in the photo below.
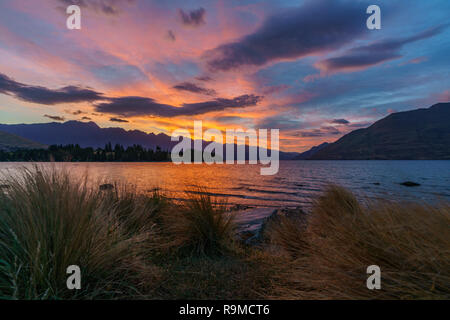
[
  {"x": 296, "y": 213},
  {"x": 106, "y": 186},
  {"x": 249, "y": 222},
  {"x": 252, "y": 222},
  {"x": 410, "y": 184},
  {"x": 247, "y": 237},
  {"x": 239, "y": 207}
]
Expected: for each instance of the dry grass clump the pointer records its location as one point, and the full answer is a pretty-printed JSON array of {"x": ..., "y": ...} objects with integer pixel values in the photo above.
[
  {"x": 120, "y": 238},
  {"x": 286, "y": 234},
  {"x": 48, "y": 221},
  {"x": 231, "y": 277},
  {"x": 200, "y": 226},
  {"x": 409, "y": 242}
]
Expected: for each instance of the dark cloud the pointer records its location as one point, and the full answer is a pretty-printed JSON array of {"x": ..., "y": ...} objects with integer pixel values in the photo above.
[
  {"x": 330, "y": 130},
  {"x": 124, "y": 106},
  {"x": 220, "y": 104},
  {"x": 193, "y": 18},
  {"x": 118, "y": 120},
  {"x": 86, "y": 118},
  {"x": 360, "y": 125},
  {"x": 140, "y": 106},
  {"x": 366, "y": 56},
  {"x": 192, "y": 87},
  {"x": 42, "y": 95},
  {"x": 108, "y": 7},
  {"x": 135, "y": 106},
  {"x": 204, "y": 78},
  {"x": 56, "y": 118},
  {"x": 75, "y": 113},
  {"x": 310, "y": 134},
  {"x": 340, "y": 121},
  {"x": 323, "y": 131},
  {"x": 64, "y": 95},
  {"x": 316, "y": 27},
  {"x": 170, "y": 35}
]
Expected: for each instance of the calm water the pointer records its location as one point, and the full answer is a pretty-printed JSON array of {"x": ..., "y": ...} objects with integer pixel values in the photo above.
[{"x": 294, "y": 185}]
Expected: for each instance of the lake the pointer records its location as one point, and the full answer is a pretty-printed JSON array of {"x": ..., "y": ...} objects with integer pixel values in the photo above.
[{"x": 296, "y": 183}]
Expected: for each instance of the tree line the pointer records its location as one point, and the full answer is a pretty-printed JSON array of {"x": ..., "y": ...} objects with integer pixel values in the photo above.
[{"x": 75, "y": 153}]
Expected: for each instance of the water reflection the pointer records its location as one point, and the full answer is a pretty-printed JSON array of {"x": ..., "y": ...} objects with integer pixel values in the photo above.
[{"x": 295, "y": 185}]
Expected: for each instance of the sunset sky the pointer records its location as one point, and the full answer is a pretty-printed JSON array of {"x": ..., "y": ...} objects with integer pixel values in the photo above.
[{"x": 309, "y": 68}]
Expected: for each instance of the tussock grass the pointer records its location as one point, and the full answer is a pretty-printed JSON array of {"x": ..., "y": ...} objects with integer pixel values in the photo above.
[
  {"x": 287, "y": 235},
  {"x": 235, "y": 277},
  {"x": 49, "y": 221},
  {"x": 200, "y": 226},
  {"x": 410, "y": 242},
  {"x": 133, "y": 245},
  {"x": 126, "y": 243}
]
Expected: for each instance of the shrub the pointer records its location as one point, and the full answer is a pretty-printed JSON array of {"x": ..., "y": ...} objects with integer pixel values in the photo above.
[
  {"x": 48, "y": 221},
  {"x": 410, "y": 242},
  {"x": 201, "y": 227}
]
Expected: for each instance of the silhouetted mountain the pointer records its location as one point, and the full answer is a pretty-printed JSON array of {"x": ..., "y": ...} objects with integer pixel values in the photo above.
[
  {"x": 416, "y": 134},
  {"x": 308, "y": 154},
  {"x": 86, "y": 134},
  {"x": 89, "y": 134},
  {"x": 10, "y": 142}
]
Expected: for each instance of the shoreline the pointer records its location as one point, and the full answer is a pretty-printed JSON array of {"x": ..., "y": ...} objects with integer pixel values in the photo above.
[{"x": 134, "y": 246}]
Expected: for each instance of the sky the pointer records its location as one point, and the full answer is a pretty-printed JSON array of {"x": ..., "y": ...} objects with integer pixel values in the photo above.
[{"x": 310, "y": 68}]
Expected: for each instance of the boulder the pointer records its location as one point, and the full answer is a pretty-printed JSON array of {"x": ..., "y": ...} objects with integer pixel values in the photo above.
[
  {"x": 106, "y": 186},
  {"x": 410, "y": 184},
  {"x": 240, "y": 207},
  {"x": 251, "y": 223}
]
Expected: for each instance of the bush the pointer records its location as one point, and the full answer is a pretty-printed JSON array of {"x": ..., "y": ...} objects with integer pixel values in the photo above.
[
  {"x": 409, "y": 242},
  {"x": 201, "y": 227},
  {"x": 49, "y": 221}
]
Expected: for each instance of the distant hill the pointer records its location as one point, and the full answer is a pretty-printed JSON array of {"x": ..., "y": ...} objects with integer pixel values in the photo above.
[
  {"x": 89, "y": 134},
  {"x": 86, "y": 134},
  {"x": 308, "y": 154},
  {"x": 417, "y": 134},
  {"x": 10, "y": 142}
]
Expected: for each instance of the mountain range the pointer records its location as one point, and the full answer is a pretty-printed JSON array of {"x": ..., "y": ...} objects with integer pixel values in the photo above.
[
  {"x": 416, "y": 134},
  {"x": 89, "y": 134},
  {"x": 309, "y": 153},
  {"x": 11, "y": 142},
  {"x": 86, "y": 134}
]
